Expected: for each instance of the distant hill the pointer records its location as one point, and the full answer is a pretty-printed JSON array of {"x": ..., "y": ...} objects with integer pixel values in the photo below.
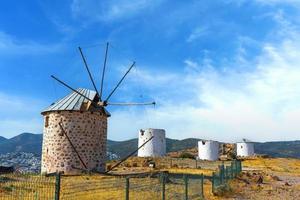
[
  {"x": 279, "y": 149},
  {"x": 2, "y": 139},
  {"x": 32, "y": 143},
  {"x": 124, "y": 148},
  {"x": 25, "y": 142}
]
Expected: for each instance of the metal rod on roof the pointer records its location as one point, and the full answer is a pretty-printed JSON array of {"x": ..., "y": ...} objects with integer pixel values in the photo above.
[
  {"x": 103, "y": 71},
  {"x": 120, "y": 82},
  {"x": 88, "y": 70},
  {"x": 131, "y": 104},
  {"x": 71, "y": 88},
  {"x": 65, "y": 133},
  {"x": 131, "y": 154}
]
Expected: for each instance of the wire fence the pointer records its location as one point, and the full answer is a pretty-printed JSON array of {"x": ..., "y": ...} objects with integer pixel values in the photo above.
[
  {"x": 27, "y": 187},
  {"x": 224, "y": 174},
  {"x": 160, "y": 186},
  {"x": 167, "y": 162},
  {"x": 183, "y": 186},
  {"x": 91, "y": 187}
]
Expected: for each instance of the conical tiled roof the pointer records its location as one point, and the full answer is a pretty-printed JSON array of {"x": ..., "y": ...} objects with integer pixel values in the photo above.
[{"x": 76, "y": 102}]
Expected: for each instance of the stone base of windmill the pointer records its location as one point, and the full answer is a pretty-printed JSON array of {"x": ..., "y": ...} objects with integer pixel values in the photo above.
[{"x": 87, "y": 132}]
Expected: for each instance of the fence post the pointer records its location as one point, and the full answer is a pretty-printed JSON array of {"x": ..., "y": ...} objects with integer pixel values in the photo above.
[
  {"x": 232, "y": 172},
  {"x": 202, "y": 183},
  {"x": 235, "y": 168},
  {"x": 213, "y": 183},
  {"x": 227, "y": 173},
  {"x": 196, "y": 164},
  {"x": 232, "y": 168},
  {"x": 185, "y": 178},
  {"x": 221, "y": 172},
  {"x": 127, "y": 189},
  {"x": 57, "y": 185},
  {"x": 163, "y": 181}
]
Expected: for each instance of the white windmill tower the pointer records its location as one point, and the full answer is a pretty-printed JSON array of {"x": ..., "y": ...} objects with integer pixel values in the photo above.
[
  {"x": 154, "y": 148},
  {"x": 75, "y": 128},
  {"x": 208, "y": 150},
  {"x": 245, "y": 148}
]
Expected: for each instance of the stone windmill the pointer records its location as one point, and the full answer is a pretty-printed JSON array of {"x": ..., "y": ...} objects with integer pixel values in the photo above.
[{"x": 75, "y": 128}]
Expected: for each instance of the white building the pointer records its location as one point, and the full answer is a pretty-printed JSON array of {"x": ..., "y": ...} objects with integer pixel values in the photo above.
[
  {"x": 155, "y": 147},
  {"x": 208, "y": 150},
  {"x": 244, "y": 149}
]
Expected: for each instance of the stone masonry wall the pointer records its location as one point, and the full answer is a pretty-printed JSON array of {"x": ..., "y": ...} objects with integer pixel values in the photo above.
[{"x": 87, "y": 132}]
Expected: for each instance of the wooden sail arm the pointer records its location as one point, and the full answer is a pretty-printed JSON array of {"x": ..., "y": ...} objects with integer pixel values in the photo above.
[
  {"x": 72, "y": 145},
  {"x": 131, "y": 154},
  {"x": 131, "y": 104}
]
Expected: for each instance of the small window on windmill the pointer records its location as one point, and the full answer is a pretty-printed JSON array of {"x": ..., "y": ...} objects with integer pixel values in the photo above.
[
  {"x": 142, "y": 132},
  {"x": 241, "y": 146},
  {"x": 46, "y": 121},
  {"x": 203, "y": 142}
]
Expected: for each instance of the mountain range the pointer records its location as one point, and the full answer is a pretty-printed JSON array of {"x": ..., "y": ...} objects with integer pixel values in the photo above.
[{"x": 32, "y": 143}]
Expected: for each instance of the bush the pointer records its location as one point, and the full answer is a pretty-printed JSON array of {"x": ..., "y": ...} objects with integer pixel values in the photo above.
[
  {"x": 223, "y": 191},
  {"x": 186, "y": 155},
  {"x": 134, "y": 164}
]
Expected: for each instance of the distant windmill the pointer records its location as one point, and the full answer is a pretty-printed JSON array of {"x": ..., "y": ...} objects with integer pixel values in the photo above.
[
  {"x": 75, "y": 129},
  {"x": 245, "y": 148}
]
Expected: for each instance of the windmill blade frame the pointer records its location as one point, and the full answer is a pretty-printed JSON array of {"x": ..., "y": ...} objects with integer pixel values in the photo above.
[
  {"x": 72, "y": 145},
  {"x": 103, "y": 70},
  {"x": 88, "y": 70},
  {"x": 128, "y": 156},
  {"x": 131, "y": 104},
  {"x": 66, "y": 85},
  {"x": 119, "y": 83}
]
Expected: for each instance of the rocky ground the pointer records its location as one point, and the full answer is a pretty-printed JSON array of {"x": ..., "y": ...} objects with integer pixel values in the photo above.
[
  {"x": 267, "y": 179},
  {"x": 260, "y": 185}
]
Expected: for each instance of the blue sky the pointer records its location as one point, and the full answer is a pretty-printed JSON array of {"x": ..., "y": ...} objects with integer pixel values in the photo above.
[{"x": 222, "y": 70}]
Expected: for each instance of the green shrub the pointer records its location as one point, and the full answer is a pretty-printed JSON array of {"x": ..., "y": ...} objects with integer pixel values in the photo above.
[{"x": 186, "y": 155}]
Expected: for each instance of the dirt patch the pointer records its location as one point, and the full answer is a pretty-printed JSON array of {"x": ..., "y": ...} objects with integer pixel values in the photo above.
[{"x": 262, "y": 185}]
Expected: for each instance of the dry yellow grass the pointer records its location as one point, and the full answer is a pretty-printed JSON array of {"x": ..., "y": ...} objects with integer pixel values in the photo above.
[
  {"x": 27, "y": 187},
  {"x": 283, "y": 165},
  {"x": 207, "y": 172},
  {"x": 281, "y": 179},
  {"x": 90, "y": 187}
]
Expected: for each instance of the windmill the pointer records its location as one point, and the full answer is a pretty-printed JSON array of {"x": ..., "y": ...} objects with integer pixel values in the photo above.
[
  {"x": 245, "y": 148},
  {"x": 75, "y": 128}
]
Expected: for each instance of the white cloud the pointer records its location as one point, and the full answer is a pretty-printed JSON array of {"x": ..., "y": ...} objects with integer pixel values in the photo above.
[
  {"x": 197, "y": 33},
  {"x": 262, "y": 104},
  {"x": 10, "y": 45},
  {"x": 103, "y": 10},
  {"x": 271, "y": 2}
]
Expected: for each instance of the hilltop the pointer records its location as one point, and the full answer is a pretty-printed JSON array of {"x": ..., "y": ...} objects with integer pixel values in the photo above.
[{"x": 32, "y": 143}]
